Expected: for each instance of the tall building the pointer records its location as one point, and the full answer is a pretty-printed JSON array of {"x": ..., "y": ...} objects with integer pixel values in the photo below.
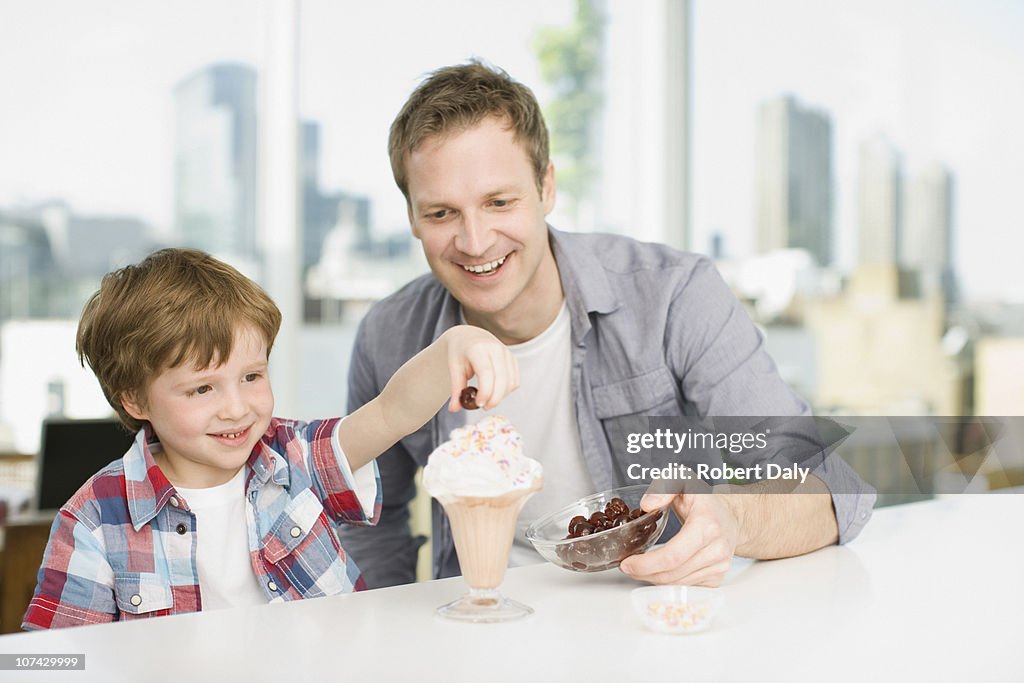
[
  {"x": 322, "y": 211},
  {"x": 879, "y": 198},
  {"x": 794, "y": 178},
  {"x": 215, "y": 163},
  {"x": 926, "y": 243}
]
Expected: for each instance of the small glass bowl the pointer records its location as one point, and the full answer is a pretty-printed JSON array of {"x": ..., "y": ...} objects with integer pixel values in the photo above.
[
  {"x": 604, "y": 549},
  {"x": 677, "y": 609}
]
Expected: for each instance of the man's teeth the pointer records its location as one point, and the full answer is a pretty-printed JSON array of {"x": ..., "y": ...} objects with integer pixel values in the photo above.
[{"x": 487, "y": 267}]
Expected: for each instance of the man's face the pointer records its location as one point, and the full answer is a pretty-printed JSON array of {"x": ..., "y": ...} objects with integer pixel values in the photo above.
[
  {"x": 208, "y": 420},
  {"x": 475, "y": 207}
]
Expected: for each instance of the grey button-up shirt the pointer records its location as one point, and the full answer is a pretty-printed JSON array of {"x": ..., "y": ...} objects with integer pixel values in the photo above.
[{"x": 655, "y": 331}]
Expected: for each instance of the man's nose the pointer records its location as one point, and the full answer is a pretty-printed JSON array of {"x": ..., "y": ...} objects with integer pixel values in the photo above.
[{"x": 474, "y": 237}]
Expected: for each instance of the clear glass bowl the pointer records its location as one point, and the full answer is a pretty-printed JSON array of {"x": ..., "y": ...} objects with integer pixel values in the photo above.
[
  {"x": 601, "y": 550},
  {"x": 677, "y": 609}
]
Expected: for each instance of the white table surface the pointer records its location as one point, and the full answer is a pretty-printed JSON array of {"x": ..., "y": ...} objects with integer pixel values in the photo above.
[{"x": 929, "y": 591}]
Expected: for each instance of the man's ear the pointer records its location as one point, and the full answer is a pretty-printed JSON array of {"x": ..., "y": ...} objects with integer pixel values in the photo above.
[
  {"x": 133, "y": 407},
  {"x": 547, "y": 194}
]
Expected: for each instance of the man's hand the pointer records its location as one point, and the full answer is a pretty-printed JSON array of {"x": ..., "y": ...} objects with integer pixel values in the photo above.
[
  {"x": 475, "y": 351},
  {"x": 701, "y": 553}
]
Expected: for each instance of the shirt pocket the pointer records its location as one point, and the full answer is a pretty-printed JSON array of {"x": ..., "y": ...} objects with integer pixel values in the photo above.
[
  {"x": 651, "y": 393},
  {"x": 624, "y": 407},
  {"x": 302, "y": 551},
  {"x": 142, "y": 594},
  {"x": 298, "y": 519}
]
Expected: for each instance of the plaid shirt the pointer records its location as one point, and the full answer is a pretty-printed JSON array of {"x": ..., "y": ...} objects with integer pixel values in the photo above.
[{"x": 124, "y": 547}]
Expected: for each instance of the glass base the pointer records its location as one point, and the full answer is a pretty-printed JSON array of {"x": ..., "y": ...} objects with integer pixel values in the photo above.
[{"x": 483, "y": 607}]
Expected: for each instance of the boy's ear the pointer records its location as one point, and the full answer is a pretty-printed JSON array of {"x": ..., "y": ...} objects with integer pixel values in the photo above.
[{"x": 133, "y": 407}]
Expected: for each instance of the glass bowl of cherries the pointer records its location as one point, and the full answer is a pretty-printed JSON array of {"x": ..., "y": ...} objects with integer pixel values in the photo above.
[{"x": 599, "y": 531}]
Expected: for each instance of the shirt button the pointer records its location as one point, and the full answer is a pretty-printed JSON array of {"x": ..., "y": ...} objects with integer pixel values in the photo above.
[
  {"x": 295, "y": 532},
  {"x": 136, "y": 600},
  {"x": 174, "y": 501},
  {"x": 271, "y": 585},
  {"x": 181, "y": 529}
]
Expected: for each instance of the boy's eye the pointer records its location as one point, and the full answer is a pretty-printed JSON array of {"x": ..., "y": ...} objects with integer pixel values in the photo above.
[
  {"x": 252, "y": 377},
  {"x": 200, "y": 390}
]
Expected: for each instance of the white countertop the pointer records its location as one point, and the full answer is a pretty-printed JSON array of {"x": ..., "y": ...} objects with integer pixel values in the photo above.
[{"x": 929, "y": 591}]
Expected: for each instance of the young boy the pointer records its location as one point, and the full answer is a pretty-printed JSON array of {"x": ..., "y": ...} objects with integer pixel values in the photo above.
[{"x": 218, "y": 503}]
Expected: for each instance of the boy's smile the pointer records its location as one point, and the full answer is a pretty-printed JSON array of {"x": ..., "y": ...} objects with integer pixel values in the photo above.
[{"x": 208, "y": 420}]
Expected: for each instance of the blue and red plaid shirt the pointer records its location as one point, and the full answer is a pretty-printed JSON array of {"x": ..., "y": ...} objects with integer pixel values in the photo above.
[{"x": 124, "y": 546}]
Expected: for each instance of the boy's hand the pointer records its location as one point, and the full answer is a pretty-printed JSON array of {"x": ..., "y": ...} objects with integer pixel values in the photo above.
[{"x": 475, "y": 351}]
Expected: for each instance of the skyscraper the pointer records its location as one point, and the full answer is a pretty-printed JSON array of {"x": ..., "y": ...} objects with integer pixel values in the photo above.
[
  {"x": 794, "y": 178},
  {"x": 926, "y": 244},
  {"x": 879, "y": 198},
  {"x": 215, "y": 164}
]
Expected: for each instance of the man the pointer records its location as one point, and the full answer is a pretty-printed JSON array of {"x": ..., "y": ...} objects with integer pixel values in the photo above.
[{"x": 604, "y": 328}]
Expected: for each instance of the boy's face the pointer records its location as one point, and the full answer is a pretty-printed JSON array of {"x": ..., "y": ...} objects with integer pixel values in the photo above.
[
  {"x": 475, "y": 207},
  {"x": 208, "y": 420}
]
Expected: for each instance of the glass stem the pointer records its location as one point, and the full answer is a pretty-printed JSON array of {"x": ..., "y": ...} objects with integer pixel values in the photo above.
[{"x": 484, "y": 597}]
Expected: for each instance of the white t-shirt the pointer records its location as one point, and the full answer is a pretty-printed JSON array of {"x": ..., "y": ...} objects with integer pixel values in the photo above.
[
  {"x": 226, "y": 576},
  {"x": 544, "y": 412}
]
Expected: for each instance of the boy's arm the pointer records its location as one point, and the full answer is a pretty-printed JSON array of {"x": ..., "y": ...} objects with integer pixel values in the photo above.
[
  {"x": 75, "y": 584},
  {"x": 418, "y": 390}
]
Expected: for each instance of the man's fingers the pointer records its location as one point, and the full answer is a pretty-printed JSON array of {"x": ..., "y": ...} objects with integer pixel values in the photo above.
[
  {"x": 707, "y": 564},
  {"x": 653, "y": 501},
  {"x": 667, "y": 557}
]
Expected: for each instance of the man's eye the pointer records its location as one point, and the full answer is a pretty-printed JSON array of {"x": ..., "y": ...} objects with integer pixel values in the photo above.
[
  {"x": 500, "y": 203},
  {"x": 438, "y": 215}
]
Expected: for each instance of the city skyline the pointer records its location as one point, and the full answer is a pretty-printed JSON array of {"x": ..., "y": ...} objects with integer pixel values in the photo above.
[{"x": 984, "y": 157}]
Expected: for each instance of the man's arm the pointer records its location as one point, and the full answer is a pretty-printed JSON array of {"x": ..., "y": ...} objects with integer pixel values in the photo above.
[
  {"x": 724, "y": 370},
  {"x": 759, "y": 522}
]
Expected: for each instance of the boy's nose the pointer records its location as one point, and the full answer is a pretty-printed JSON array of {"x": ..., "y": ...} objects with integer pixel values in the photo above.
[{"x": 232, "y": 407}]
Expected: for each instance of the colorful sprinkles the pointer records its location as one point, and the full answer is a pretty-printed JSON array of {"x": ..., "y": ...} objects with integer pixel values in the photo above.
[{"x": 674, "y": 617}]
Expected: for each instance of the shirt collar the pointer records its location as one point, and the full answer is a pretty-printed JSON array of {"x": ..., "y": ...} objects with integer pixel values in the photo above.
[
  {"x": 584, "y": 281},
  {"x": 266, "y": 463},
  {"x": 147, "y": 488}
]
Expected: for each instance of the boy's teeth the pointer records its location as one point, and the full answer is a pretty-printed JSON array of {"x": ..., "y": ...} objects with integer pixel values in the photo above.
[{"x": 487, "y": 267}]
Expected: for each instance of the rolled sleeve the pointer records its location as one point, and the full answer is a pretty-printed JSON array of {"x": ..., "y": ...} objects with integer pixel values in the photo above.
[
  {"x": 852, "y": 498},
  {"x": 349, "y": 497}
]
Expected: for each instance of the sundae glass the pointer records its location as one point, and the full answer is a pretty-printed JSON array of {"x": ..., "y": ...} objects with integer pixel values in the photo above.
[{"x": 482, "y": 480}]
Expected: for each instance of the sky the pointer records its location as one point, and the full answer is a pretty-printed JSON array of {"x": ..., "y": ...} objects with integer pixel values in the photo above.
[{"x": 86, "y": 109}]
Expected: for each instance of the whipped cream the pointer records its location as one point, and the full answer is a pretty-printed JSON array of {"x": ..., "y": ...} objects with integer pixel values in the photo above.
[{"x": 485, "y": 459}]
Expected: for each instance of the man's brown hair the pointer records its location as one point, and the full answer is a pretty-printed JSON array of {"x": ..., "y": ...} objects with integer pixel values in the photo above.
[
  {"x": 176, "y": 306},
  {"x": 455, "y": 98}
]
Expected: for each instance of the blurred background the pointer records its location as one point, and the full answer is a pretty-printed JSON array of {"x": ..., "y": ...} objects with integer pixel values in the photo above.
[{"x": 854, "y": 168}]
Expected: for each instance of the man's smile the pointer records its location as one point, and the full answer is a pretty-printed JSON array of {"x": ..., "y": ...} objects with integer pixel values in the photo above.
[{"x": 486, "y": 269}]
